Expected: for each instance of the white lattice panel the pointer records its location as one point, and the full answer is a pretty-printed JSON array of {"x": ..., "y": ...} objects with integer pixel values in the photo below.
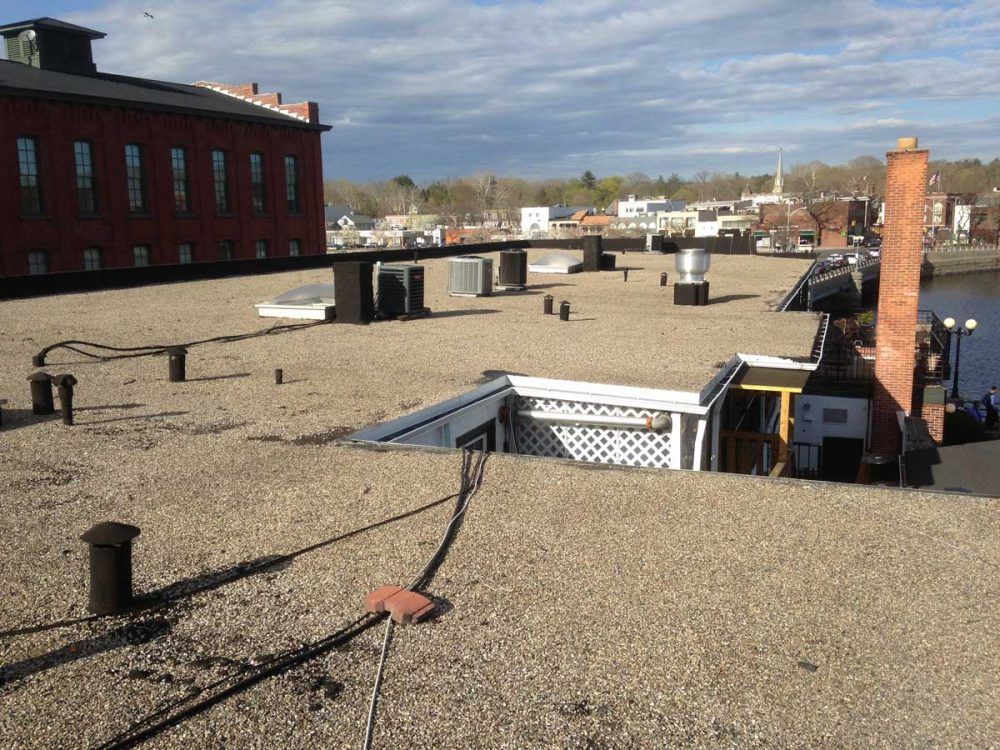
[{"x": 606, "y": 445}]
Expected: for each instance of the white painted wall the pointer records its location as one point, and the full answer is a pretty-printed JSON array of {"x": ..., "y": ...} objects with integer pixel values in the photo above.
[{"x": 810, "y": 426}]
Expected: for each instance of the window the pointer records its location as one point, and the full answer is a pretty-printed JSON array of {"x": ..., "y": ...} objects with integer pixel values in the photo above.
[
  {"x": 38, "y": 262},
  {"x": 257, "y": 182},
  {"x": 295, "y": 247},
  {"x": 481, "y": 438},
  {"x": 226, "y": 250},
  {"x": 185, "y": 253},
  {"x": 292, "y": 184},
  {"x": 140, "y": 254},
  {"x": 92, "y": 259},
  {"x": 86, "y": 189},
  {"x": 835, "y": 416},
  {"x": 135, "y": 179},
  {"x": 31, "y": 189},
  {"x": 261, "y": 248},
  {"x": 220, "y": 177},
  {"x": 178, "y": 163}
]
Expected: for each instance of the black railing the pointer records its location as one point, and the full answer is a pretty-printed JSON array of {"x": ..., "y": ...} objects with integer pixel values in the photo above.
[{"x": 808, "y": 460}]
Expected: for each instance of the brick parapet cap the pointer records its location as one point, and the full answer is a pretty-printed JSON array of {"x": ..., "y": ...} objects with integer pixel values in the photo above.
[{"x": 249, "y": 92}]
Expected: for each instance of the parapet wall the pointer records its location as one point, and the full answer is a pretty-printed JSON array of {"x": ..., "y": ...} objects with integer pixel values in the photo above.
[{"x": 14, "y": 287}]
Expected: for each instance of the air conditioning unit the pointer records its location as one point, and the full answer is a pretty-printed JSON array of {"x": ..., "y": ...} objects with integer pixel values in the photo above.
[
  {"x": 513, "y": 269},
  {"x": 400, "y": 289},
  {"x": 470, "y": 276}
]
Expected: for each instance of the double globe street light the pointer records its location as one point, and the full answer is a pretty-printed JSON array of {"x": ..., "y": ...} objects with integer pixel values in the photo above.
[{"x": 952, "y": 325}]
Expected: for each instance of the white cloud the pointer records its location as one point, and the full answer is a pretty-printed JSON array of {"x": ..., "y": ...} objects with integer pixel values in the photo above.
[{"x": 438, "y": 87}]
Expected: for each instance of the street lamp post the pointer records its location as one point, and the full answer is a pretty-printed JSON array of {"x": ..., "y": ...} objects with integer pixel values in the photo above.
[
  {"x": 960, "y": 331},
  {"x": 788, "y": 222}
]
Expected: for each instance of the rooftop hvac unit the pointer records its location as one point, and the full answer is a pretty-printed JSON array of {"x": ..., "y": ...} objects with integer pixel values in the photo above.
[
  {"x": 513, "y": 269},
  {"x": 400, "y": 289},
  {"x": 470, "y": 276}
]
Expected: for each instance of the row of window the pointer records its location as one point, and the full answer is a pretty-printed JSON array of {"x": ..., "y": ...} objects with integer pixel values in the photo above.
[
  {"x": 84, "y": 159},
  {"x": 93, "y": 257}
]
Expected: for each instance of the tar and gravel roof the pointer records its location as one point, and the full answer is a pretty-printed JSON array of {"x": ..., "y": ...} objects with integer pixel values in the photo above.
[{"x": 582, "y": 606}]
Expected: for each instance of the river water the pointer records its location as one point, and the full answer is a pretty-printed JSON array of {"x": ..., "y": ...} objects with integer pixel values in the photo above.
[{"x": 974, "y": 295}]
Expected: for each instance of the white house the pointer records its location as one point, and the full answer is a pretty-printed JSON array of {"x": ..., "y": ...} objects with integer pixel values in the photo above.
[
  {"x": 633, "y": 206},
  {"x": 537, "y": 221}
]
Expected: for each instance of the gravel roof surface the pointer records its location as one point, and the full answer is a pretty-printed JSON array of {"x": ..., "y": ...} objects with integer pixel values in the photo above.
[{"x": 581, "y": 607}]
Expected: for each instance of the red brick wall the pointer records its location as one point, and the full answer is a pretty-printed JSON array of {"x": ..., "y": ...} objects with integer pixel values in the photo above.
[
  {"x": 899, "y": 292},
  {"x": 64, "y": 234},
  {"x": 933, "y": 415}
]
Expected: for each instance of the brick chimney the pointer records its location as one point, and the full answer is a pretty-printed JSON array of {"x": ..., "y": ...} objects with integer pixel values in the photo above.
[{"x": 899, "y": 292}]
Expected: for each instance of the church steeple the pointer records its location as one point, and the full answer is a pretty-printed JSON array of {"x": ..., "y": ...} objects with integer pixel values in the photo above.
[{"x": 779, "y": 177}]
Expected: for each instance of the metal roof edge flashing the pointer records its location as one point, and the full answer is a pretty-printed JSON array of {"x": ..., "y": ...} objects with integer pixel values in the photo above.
[
  {"x": 435, "y": 415},
  {"x": 777, "y": 363}
]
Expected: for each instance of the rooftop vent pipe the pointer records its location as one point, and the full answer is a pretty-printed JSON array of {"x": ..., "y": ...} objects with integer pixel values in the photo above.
[
  {"x": 41, "y": 393},
  {"x": 178, "y": 363},
  {"x": 110, "y": 566},
  {"x": 64, "y": 384}
]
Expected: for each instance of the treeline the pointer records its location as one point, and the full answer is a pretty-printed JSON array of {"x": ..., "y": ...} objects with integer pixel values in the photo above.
[{"x": 492, "y": 196}]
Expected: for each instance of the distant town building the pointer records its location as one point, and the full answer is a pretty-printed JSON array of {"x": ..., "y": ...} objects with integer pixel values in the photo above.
[
  {"x": 104, "y": 171},
  {"x": 820, "y": 223},
  {"x": 342, "y": 217},
  {"x": 633, "y": 206},
  {"x": 777, "y": 194},
  {"x": 538, "y": 221},
  {"x": 595, "y": 224}
]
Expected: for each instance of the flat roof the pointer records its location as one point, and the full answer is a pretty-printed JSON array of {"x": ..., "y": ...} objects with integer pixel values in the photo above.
[{"x": 579, "y": 604}]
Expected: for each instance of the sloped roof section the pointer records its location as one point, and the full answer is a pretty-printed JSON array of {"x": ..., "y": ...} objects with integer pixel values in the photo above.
[
  {"x": 50, "y": 23},
  {"x": 23, "y": 80}
]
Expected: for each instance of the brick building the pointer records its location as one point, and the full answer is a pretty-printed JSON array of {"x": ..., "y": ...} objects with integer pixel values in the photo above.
[
  {"x": 820, "y": 223},
  {"x": 103, "y": 171}
]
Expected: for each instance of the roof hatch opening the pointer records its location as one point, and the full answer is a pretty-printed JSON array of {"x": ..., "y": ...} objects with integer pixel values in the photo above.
[{"x": 589, "y": 422}]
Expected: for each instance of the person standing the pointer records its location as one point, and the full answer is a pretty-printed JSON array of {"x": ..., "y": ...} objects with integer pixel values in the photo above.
[{"x": 990, "y": 401}]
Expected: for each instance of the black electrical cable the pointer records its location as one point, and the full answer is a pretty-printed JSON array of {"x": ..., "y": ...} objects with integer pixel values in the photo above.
[
  {"x": 127, "y": 352},
  {"x": 243, "y": 571},
  {"x": 471, "y": 485},
  {"x": 162, "y": 719}
]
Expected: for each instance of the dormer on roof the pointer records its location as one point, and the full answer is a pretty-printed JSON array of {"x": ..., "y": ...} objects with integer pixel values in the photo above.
[{"x": 49, "y": 44}]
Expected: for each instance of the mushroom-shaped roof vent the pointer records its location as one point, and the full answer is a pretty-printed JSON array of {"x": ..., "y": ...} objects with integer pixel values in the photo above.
[
  {"x": 176, "y": 351},
  {"x": 40, "y": 377},
  {"x": 110, "y": 533}
]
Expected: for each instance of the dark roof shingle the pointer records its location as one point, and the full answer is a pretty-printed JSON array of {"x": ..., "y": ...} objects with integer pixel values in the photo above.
[{"x": 23, "y": 80}]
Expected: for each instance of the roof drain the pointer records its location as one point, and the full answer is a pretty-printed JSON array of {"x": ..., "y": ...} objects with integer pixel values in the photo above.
[{"x": 653, "y": 424}]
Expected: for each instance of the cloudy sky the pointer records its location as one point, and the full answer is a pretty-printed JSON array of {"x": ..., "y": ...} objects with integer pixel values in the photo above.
[{"x": 538, "y": 88}]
